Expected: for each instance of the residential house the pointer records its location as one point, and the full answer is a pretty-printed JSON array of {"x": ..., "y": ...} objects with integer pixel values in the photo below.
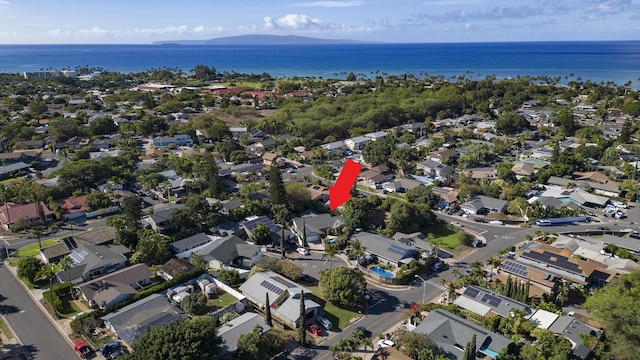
[
  {"x": 452, "y": 333},
  {"x": 543, "y": 153},
  {"x": 152, "y": 155},
  {"x": 378, "y": 135},
  {"x": 284, "y": 296},
  {"x": 393, "y": 186},
  {"x": 185, "y": 247},
  {"x": 115, "y": 287},
  {"x": 561, "y": 263},
  {"x": 568, "y": 327},
  {"x": 539, "y": 278},
  {"x": 99, "y": 236},
  {"x": 487, "y": 303},
  {"x": 246, "y": 168},
  {"x": 160, "y": 221},
  {"x": 447, "y": 195},
  {"x": 446, "y": 156},
  {"x": 579, "y": 196},
  {"x": 316, "y": 227},
  {"x": 91, "y": 261},
  {"x": 230, "y": 332},
  {"x": 270, "y": 159},
  {"x": 523, "y": 170},
  {"x": 236, "y": 132},
  {"x": 377, "y": 175},
  {"x": 416, "y": 239},
  {"x": 178, "y": 140},
  {"x": 262, "y": 146},
  {"x": 74, "y": 207},
  {"x": 226, "y": 206},
  {"x": 28, "y": 144},
  {"x": 387, "y": 250},
  {"x": 26, "y": 213},
  {"x": 408, "y": 184},
  {"x": 12, "y": 170},
  {"x": 593, "y": 249},
  {"x": 435, "y": 169},
  {"x": 251, "y": 222},
  {"x": 333, "y": 147},
  {"x": 319, "y": 193},
  {"x": 230, "y": 251},
  {"x": 132, "y": 321},
  {"x": 356, "y": 143},
  {"x": 483, "y": 173},
  {"x": 173, "y": 268},
  {"x": 483, "y": 205},
  {"x": 52, "y": 254}
]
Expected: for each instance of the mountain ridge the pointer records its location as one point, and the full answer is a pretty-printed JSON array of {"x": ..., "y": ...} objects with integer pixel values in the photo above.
[{"x": 261, "y": 39}]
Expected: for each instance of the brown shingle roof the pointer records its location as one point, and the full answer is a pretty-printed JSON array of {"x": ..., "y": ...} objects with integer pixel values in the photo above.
[
  {"x": 175, "y": 267},
  {"x": 17, "y": 211},
  {"x": 101, "y": 235}
]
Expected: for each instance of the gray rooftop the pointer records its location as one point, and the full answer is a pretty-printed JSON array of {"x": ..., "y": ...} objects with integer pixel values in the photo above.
[
  {"x": 131, "y": 321},
  {"x": 191, "y": 242},
  {"x": 231, "y": 331},
  {"x": 384, "y": 247},
  {"x": 228, "y": 248},
  {"x": 571, "y": 328},
  {"x": 261, "y": 283},
  {"x": 106, "y": 289},
  {"x": 452, "y": 333},
  {"x": 90, "y": 257},
  {"x": 495, "y": 302}
]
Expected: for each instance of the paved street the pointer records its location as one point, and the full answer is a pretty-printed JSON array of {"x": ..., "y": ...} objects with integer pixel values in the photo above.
[{"x": 32, "y": 327}]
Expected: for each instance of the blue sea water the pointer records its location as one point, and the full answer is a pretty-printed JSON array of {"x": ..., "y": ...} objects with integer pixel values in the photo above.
[{"x": 616, "y": 61}]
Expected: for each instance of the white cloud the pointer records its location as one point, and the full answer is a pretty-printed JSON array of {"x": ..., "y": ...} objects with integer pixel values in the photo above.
[
  {"x": 4, "y": 4},
  {"x": 293, "y": 21},
  {"x": 609, "y": 6},
  {"x": 453, "y": 2},
  {"x": 57, "y": 33},
  {"x": 331, "y": 4}
]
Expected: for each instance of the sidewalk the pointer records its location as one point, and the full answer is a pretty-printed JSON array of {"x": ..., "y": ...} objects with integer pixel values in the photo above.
[{"x": 63, "y": 325}]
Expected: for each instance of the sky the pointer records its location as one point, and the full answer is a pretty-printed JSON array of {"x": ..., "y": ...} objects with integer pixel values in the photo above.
[{"x": 402, "y": 21}]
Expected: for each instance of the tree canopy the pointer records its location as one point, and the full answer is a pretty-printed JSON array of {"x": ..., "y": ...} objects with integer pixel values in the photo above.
[
  {"x": 343, "y": 286},
  {"x": 192, "y": 340}
]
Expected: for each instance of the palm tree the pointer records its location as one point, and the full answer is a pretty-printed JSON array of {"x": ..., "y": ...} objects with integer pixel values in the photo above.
[
  {"x": 493, "y": 263},
  {"x": 49, "y": 273},
  {"x": 561, "y": 293},
  {"x": 455, "y": 272},
  {"x": 65, "y": 264},
  {"x": 357, "y": 249},
  {"x": 330, "y": 252}
]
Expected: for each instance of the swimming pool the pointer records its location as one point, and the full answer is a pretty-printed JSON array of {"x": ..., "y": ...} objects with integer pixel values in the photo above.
[{"x": 381, "y": 272}]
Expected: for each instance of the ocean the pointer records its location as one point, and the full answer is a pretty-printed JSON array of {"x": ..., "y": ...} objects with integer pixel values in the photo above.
[{"x": 615, "y": 61}]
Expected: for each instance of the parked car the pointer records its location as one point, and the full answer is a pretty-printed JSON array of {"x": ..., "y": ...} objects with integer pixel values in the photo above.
[
  {"x": 302, "y": 251},
  {"x": 315, "y": 329},
  {"x": 308, "y": 279},
  {"x": 496, "y": 222},
  {"x": 364, "y": 330},
  {"x": 325, "y": 322},
  {"x": 477, "y": 243},
  {"x": 118, "y": 353},
  {"x": 438, "y": 266},
  {"x": 455, "y": 223},
  {"x": 83, "y": 350},
  {"x": 109, "y": 348},
  {"x": 386, "y": 343}
]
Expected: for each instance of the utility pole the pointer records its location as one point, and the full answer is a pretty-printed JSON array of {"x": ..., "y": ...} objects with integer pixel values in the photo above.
[{"x": 424, "y": 288}]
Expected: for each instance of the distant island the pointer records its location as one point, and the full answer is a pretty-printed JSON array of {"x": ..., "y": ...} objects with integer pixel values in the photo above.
[{"x": 260, "y": 39}]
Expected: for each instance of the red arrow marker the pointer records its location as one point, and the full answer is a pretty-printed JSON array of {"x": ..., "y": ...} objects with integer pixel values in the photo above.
[{"x": 341, "y": 191}]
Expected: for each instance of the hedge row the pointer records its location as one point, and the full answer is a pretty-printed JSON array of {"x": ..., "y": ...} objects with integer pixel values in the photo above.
[{"x": 142, "y": 294}]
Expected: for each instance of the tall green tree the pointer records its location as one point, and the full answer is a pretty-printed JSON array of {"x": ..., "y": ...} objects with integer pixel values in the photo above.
[
  {"x": 192, "y": 340},
  {"x": 302, "y": 332},
  {"x": 65, "y": 264},
  {"x": 132, "y": 212},
  {"x": 267, "y": 311},
  {"x": 48, "y": 273},
  {"x": 330, "y": 252},
  {"x": 282, "y": 247},
  {"x": 343, "y": 286},
  {"x": 29, "y": 267},
  {"x": 470, "y": 349},
  {"x": 277, "y": 190}
]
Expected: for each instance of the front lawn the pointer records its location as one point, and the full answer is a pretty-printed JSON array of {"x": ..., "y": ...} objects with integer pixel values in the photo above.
[
  {"x": 444, "y": 237},
  {"x": 338, "y": 316},
  {"x": 33, "y": 249}
]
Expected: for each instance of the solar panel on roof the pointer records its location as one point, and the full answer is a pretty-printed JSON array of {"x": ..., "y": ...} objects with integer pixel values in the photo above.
[
  {"x": 284, "y": 282},
  {"x": 514, "y": 268},
  {"x": 269, "y": 286},
  {"x": 491, "y": 300},
  {"x": 397, "y": 249},
  {"x": 471, "y": 292}
]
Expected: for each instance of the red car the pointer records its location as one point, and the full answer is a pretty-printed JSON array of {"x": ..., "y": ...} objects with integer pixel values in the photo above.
[
  {"x": 82, "y": 349},
  {"x": 315, "y": 329}
]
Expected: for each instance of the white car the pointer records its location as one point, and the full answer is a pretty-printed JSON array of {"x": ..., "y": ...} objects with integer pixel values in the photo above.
[
  {"x": 325, "y": 322},
  {"x": 496, "y": 222},
  {"x": 302, "y": 251},
  {"x": 455, "y": 223},
  {"x": 385, "y": 343}
]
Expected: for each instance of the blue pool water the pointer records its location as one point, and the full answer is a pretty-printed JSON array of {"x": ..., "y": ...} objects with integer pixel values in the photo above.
[
  {"x": 489, "y": 352},
  {"x": 381, "y": 272}
]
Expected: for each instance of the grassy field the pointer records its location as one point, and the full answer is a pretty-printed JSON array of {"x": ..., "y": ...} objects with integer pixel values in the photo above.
[
  {"x": 338, "y": 316},
  {"x": 221, "y": 301},
  {"x": 33, "y": 249},
  {"x": 5, "y": 330},
  {"x": 444, "y": 237}
]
